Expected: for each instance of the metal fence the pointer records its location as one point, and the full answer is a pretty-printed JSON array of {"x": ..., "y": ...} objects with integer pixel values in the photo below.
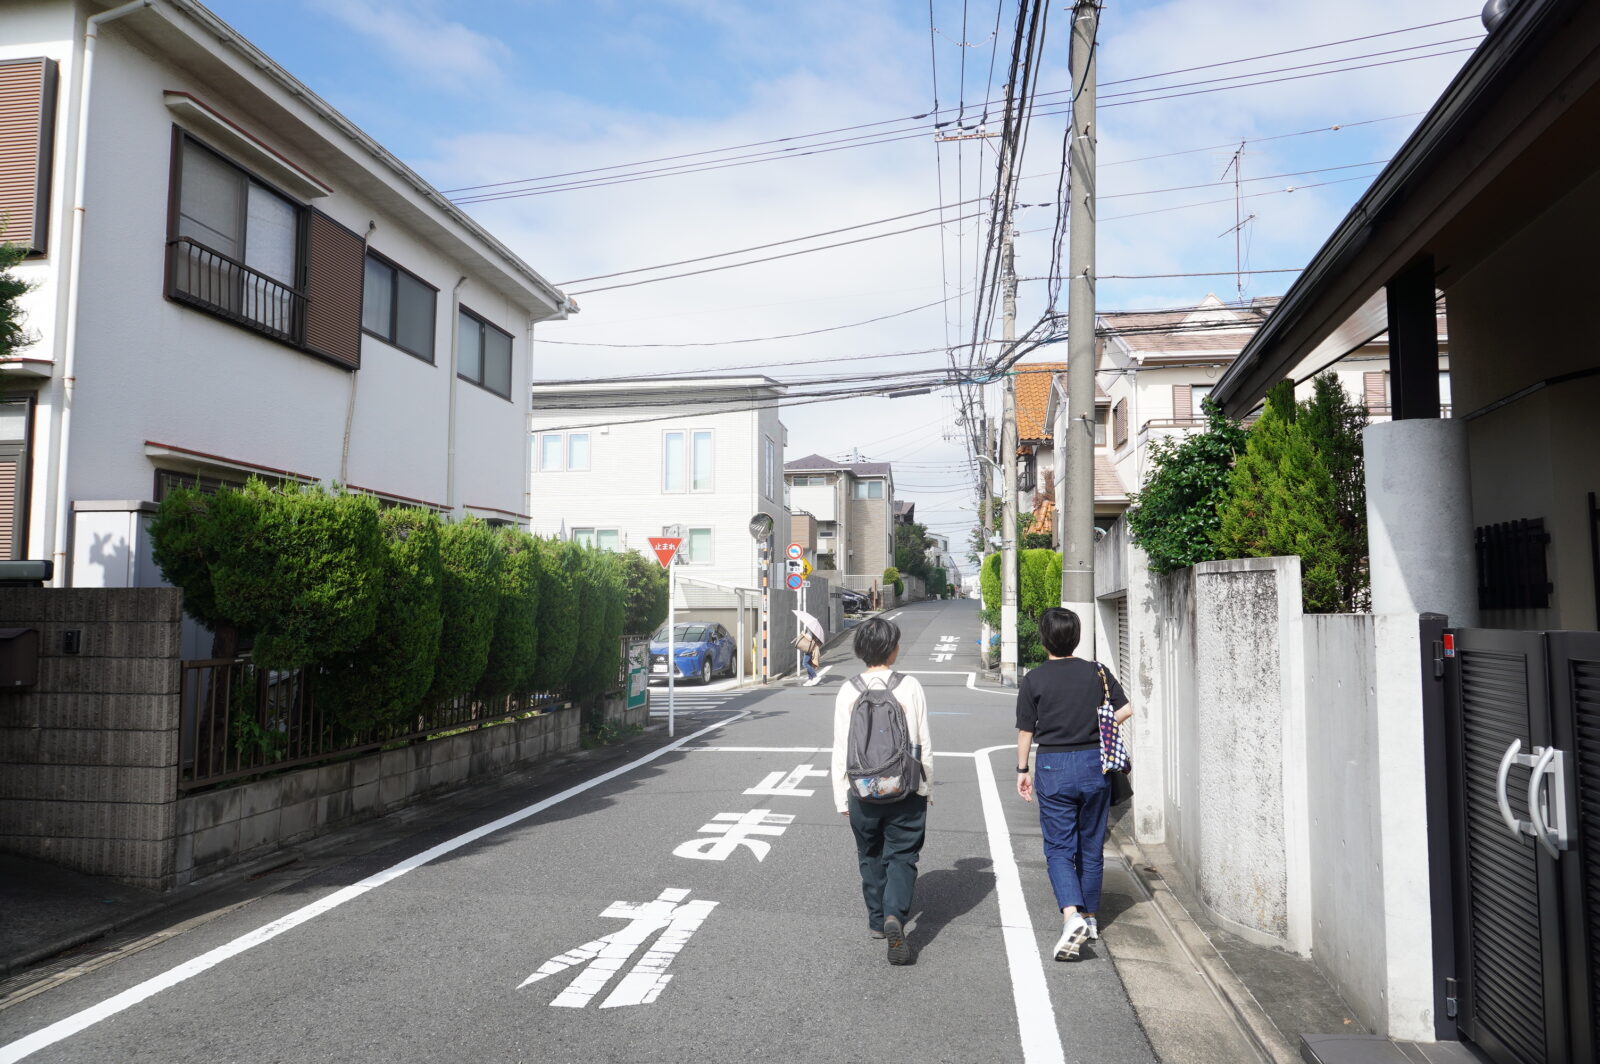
[
  {"x": 240, "y": 720},
  {"x": 208, "y": 279}
]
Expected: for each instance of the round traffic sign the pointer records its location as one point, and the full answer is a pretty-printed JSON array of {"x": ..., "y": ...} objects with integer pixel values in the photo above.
[
  {"x": 794, "y": 580},
  {"x": 795, "y": 550}
]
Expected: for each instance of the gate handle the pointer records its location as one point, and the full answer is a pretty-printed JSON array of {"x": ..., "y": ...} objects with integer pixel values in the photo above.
[
  {"x": 1513, "y": 825},
  {"x": 1553, "y": 840}
]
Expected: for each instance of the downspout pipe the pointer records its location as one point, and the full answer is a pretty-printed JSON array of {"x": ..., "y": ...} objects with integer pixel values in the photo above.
[
  {"x": 455, "y": 356},
  {"x": 66, "y": 366},
  {"x": 527, "y": 439}
]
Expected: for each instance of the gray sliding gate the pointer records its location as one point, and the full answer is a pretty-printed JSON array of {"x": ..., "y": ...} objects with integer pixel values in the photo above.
[{"x": 1523, "y": 746}]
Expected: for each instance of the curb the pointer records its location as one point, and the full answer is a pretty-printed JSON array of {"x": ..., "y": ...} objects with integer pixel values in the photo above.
[{"x": 1246, "y": 1011}]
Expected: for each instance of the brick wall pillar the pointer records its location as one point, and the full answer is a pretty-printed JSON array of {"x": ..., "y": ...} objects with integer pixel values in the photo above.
[{"x": 89, "y": 755}]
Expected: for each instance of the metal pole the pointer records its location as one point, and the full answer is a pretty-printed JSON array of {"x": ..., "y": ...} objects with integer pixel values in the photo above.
[
  {"x": 672, "y": 646},
  {"x": 1008, "y": 448},
  {"x": 766, "y": 611},
  {"x": 1077, "y": 526},
  {"x": 739, "y": 656}
]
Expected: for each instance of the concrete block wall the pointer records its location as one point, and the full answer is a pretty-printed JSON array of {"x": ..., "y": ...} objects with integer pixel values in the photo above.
[
  {"x": 223, "y": 827},
  {"x": 89, "y": 755}
]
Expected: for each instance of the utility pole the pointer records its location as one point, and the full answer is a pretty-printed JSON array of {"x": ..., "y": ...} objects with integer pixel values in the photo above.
[
  {"x": 1008, "y": 442},
  {"x": 1077, "y": 526}
]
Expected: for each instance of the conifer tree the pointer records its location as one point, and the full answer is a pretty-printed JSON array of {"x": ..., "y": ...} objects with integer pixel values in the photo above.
[
  {"x": 1333, "y": 423},
  {"x": 13, "y": 337}
]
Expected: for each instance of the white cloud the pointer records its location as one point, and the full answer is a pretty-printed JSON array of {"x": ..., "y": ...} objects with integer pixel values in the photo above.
[{"x": 429, "y": 48}]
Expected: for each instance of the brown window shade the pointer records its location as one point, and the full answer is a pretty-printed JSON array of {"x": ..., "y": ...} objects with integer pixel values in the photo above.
[
  {"x": 335, "y": 265},
  {"x": 1119, "y": 423},
  {"x": 10, "y": 508},
  {"x": 1376, "y": 393},
  {"x": 1182, "y": 402},
  {"x": 27, "y": 124}
]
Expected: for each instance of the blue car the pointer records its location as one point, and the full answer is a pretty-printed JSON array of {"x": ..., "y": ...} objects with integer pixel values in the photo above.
[{"x": 703, "y": 649}]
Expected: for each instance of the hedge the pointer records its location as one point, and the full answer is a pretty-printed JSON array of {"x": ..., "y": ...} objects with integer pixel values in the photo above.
[
  {"x": 514, "y": 646},
  {"x": 386, "y": 677},
  {"x": 470, "y": 603},
  {"x": 1038, "y": 588},
  {"x": 644, "y": 603},
  {"x": 558, "y": 631}
]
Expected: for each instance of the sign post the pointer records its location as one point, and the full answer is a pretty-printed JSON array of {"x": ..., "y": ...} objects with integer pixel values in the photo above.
[
  {"x": 761, "y": 526},
  {"x": 666, "y": 550}
]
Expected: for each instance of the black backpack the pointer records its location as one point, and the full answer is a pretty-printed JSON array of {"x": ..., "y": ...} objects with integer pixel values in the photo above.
[{"x": 881, "y": 762}]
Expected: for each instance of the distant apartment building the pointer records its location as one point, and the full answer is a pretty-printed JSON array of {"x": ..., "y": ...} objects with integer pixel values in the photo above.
[
  {"x": 230, "y": 279},
  {"x": 853, "y": 505},
  {"x": 693, "y": 457}
]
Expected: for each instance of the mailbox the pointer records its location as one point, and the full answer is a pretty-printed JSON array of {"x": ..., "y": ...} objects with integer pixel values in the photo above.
[{"x": 19, "y": 658}]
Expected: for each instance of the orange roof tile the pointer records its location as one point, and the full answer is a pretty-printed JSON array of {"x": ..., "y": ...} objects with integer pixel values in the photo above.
[{"x": 1033, "y": 398}]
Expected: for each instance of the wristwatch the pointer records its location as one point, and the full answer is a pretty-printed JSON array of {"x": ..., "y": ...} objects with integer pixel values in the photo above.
[{"x": 1023, "y": 769}]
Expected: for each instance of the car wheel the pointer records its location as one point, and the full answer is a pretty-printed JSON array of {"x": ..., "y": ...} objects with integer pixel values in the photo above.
[{"x": 705, "y": 670}]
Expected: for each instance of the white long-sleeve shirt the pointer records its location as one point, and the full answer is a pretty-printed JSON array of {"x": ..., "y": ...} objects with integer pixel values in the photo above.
[{"x": 915, "y": 703}]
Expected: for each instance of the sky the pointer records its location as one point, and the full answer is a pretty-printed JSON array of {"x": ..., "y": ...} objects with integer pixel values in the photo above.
[{"x": 494, "y": 91}]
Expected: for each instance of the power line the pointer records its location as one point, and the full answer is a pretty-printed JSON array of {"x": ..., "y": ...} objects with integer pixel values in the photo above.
[
  {"x": 929, "y": 114},
  {"x": 763, "y": 339}
]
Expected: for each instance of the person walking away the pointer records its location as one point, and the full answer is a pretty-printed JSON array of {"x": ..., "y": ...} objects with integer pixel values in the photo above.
[
  {"x": 810, "y": 651},
  {"x": 1057, "y": 705},
  {"x": 882, "y": 773}
]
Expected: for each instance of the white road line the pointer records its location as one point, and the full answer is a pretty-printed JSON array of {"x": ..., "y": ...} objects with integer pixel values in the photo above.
[
  {"x": 78, "y": 1021},
  {"x": 972, "y": 680},
  {"x": 795, "y": 750},
  {"x": 1036, "y": 1018}
]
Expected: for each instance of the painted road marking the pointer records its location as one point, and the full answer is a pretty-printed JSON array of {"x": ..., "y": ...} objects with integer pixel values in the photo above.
[
  {"x": 1036, "y": 1018},
  {"x": 735, "y": 830},
  {"x": 778, "y": 783},
  {"x": 972, "y": 680},
  {"x": 605, "y": 956},
  {"x": 940, "y": 658},
  {"x": 78, "y": 1021},
  {"x": 794, "y": 750}
]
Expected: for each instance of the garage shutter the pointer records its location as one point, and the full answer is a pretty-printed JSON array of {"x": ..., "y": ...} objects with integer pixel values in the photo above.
[{"x": 27, "y": 122}]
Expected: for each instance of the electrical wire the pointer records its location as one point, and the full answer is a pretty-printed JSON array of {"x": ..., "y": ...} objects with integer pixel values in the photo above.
[{"x": 988, "y": 101}]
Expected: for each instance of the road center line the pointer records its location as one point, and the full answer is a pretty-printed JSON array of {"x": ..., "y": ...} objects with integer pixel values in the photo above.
[
  {"x": 1036, "y": 1017},
  {"x": 78, "y": 1021}
]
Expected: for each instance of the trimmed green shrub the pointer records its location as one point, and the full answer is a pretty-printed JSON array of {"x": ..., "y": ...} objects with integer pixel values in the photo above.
[
  {"x": 644, "y": 584},
  {"x": 298, "y": 568},
  {"x": 599, "y": 654},
  {"x": 1175, "y": 515},
  {"x": 1282, "y": 501},
  {"x": 558, "y": 613},
  {"x": 470, "y": 601},
  {"x": 386, "y": 679},
  {"x": 890, "y": 576},
  {"x": 514, "y": 647}
]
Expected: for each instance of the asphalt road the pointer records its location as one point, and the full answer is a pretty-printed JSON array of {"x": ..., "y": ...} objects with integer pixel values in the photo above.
[{"x": 734, "y": 934}]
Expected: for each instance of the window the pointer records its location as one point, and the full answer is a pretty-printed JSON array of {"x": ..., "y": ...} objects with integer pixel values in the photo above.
[
  {"x": 578, "y": 450},
  {"x": 484, "y": 355},
  {"x": 549, "y": 452},
  {"x": 804, "y": 480},
  {"x": 236, "y": 244},
  {"x": 868, "y": 489},
  {"x": 1100, "y": 426},
  {"x": 1444, "y": 393},
  {"x": 825, "y": 530},
  {"x": 686, "y": 460},
  {"x": 244, "y": 252},
  {"x": 700, "y": 464},
  {"x": 15, "y": 414},
  {"x": 672, "y": 461},
  {"x": 769, "y": 468},
  {"x": 602, "y": 538},
  {"x": 1119, "y": 423},
  {"x": 1197, "y": 392},
  {"x": 697, "y": 547},
  {"x": 398, "y": 307}
]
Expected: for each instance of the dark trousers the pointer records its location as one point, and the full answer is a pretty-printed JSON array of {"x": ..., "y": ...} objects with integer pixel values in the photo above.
[
  {"x": 1074, "y": 799},
  {"x": 888, "y": 842}
]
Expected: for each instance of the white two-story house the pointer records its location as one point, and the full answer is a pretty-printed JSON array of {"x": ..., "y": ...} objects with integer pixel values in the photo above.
[
  {"x": 614, "y": 464},
  {"x": 231, "y": 279}
]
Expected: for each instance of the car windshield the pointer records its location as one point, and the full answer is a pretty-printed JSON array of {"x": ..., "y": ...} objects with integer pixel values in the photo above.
[{"x": 684, "y": 633}]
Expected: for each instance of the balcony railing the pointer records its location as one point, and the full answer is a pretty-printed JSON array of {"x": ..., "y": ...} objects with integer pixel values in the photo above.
[{"x": 210, "y": 280}]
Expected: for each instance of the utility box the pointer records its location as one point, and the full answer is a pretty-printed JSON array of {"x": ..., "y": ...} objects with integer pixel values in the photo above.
[{"x": 19, "y": 658}]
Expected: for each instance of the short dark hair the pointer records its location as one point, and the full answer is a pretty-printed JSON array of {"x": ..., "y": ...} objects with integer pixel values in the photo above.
[
  {"x": 1059, "y": 630},
  {"x": 876, "y": 640}
]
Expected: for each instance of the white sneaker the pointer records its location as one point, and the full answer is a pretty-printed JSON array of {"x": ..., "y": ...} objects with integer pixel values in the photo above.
[
  {"x": 1074, "y": 930},
  {"x": 1094, "y": 928}
]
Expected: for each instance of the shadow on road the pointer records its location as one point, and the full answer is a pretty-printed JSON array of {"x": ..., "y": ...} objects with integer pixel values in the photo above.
[{"x": 945, "y": 894}]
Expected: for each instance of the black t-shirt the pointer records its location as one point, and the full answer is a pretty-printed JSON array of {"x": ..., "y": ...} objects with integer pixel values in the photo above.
[{"x": 1058, "y": 701}]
